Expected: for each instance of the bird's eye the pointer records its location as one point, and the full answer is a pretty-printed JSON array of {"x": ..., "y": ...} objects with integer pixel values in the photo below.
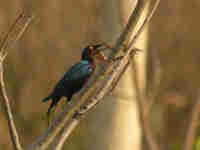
[{"x": 91, "y": 48}]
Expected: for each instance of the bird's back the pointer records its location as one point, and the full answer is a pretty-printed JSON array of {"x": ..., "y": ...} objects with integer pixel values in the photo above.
[{"x": 74, "y": 79}]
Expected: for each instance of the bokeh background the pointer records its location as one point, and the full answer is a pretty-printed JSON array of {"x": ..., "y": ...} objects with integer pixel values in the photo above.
[{"x": 54, "y": 41}]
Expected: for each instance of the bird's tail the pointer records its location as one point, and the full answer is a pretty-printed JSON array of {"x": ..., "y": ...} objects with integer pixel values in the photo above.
[{"x": 53, "y": 103}]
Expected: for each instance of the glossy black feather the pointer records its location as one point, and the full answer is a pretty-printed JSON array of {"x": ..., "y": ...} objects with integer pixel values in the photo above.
[
  {"x": 72, "y": 81},
  {"x": 75, "y": 78}
]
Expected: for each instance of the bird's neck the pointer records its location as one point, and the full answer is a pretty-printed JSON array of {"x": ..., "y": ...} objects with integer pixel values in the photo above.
[{"x": 90, "y": 63}]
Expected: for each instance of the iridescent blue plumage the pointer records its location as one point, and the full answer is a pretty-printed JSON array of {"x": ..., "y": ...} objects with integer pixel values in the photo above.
[{"x": 75, "y": 78}]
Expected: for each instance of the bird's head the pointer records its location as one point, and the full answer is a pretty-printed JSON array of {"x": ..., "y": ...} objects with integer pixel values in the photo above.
[{"x": 92, "y": 51}]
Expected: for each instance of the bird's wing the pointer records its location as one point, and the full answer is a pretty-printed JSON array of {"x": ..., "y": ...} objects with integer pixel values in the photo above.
[{"x": 78, "y": 71}]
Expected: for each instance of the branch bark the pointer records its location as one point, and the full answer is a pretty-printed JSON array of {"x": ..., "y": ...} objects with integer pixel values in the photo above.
[
  {"x": 141, "y": 95},
  {"x": 193, "y": 125},
  {"x": 12, "y": 128},
  {"x": 144, "y": 112},
  {"x": 13, "y": 35},
  {"x": 103, "y": 91},
  {"x": 70, "y": 118}
]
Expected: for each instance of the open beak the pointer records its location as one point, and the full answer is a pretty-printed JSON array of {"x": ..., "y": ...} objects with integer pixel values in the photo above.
[
  {"x": 98, "y": 52},
  {"x": 102, "y": 47},
  {"x": 99, "y": 48}
]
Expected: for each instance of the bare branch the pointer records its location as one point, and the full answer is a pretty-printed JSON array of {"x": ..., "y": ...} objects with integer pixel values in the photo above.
[
  {"x": 9, "y": 116},
  {"x": 15, "y": 32},
  {"x": 73, "y": 112},
  {"x": 145, "y": 22},
  {"x": 95, "y": 100},
  {"x": 67, "y": 132},
  {"x": 13, "y": 35},
  {"x": 154, "y": 88},
  {"x": 143, "y": 109},
  {"x": 124, "y": 69},
  {"x": 193, "y": 124}
]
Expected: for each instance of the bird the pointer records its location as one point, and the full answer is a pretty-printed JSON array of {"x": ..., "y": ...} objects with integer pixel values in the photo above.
[{"x": 77, "y": 76}]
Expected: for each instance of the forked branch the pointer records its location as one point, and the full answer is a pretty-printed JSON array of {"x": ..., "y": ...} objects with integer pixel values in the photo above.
[
  {"x": 70, "y": 118},
  {"x": 109, "y": 86},
  {"x": 72, "y": 115}
]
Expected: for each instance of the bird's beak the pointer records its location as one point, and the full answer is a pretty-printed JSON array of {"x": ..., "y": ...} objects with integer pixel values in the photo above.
[
  {"x": 102, "y": 47},
  {"x": 98, "y": 52}
]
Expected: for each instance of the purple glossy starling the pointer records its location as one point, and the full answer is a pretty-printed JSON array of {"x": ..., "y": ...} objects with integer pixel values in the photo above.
[{"x": 76, "y": 77}]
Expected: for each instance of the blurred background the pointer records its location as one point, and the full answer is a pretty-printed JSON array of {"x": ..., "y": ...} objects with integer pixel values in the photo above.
[{"x": 54, "y": 41}]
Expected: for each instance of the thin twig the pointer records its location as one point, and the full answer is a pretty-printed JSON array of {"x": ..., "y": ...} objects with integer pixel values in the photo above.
[
  {"x": 115, "y": 77},
  {"x": 10, "y": 40},
  {"x": 102, "y": 91},
  {"x": 65, "y": 119},
  {"x": 67, "y": 132},
  {"x": 9, "y": 116},
  {"x": 140, "y": 95},
  {"x": 60, "y": 121},
  {"x": 82, "y": 113},
  {"x": 193, "y": 124},
  {"x": 152, "y": 91},
  {"x": 144, "y": 114},
  {"x": 95, "y": 100},
  {"x": 145, "y": 23},
  {"x": 15, "y": 31},
  {"x": 135, "y": 50}
]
